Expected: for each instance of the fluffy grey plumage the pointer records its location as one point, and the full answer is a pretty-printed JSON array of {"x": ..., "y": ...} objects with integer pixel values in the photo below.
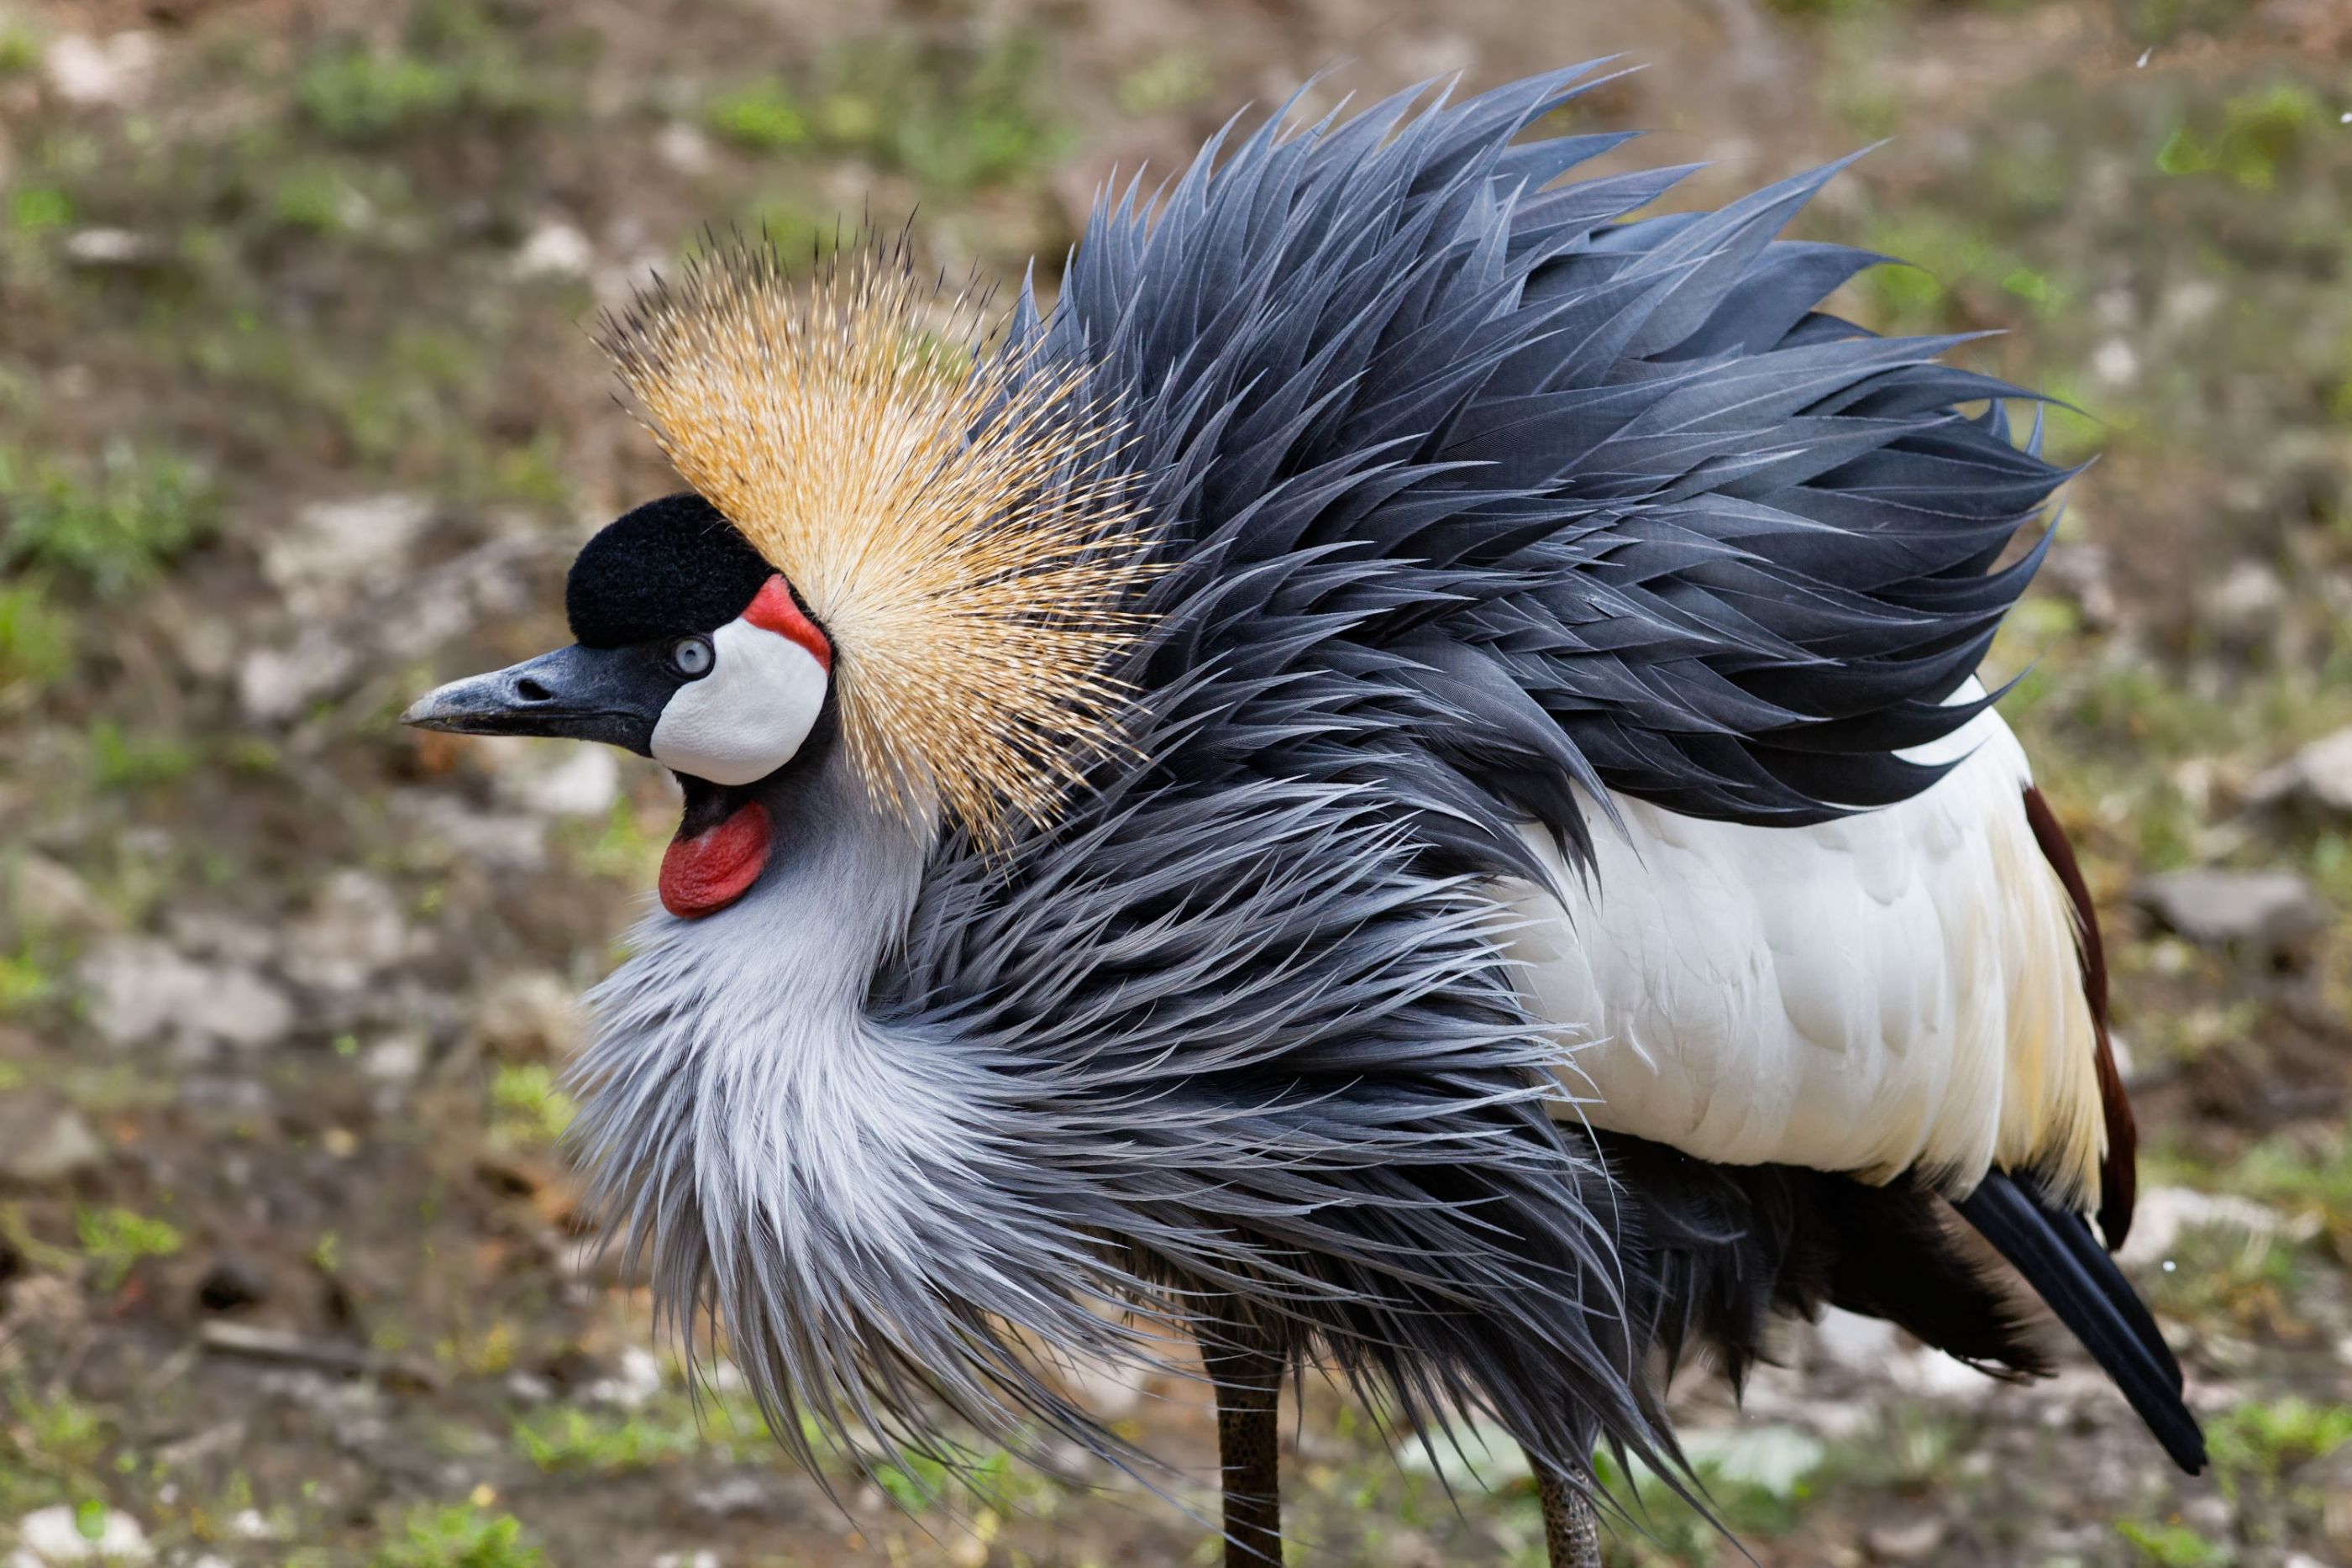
[{"x": 1477, "y": 499}]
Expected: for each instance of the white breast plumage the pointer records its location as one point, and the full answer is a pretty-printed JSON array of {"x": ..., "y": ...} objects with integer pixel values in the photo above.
[{"x": 1894, "y": 990}]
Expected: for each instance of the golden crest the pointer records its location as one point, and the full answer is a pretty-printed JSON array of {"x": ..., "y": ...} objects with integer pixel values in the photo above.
[{"x": 952, "y": 513}]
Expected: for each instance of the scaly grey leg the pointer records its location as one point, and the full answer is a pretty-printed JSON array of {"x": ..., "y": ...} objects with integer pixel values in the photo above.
[
  {"x": 1571, "y": 1528},
  {"x": 1248, "y": 1373}
]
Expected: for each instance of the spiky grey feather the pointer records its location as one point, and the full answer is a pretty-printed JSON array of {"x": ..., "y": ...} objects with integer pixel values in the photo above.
[{"x": 1477, "y": 500}]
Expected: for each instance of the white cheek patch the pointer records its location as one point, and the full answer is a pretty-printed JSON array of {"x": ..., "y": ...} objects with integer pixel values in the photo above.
[{"x": 748, "y": 717}]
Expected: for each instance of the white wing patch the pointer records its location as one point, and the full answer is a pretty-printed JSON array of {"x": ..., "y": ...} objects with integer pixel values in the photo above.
[{"x": 1894, "y": 990}]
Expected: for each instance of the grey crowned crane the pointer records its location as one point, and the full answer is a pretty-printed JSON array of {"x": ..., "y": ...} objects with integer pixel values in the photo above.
[{"x": 1396, "y": 782}]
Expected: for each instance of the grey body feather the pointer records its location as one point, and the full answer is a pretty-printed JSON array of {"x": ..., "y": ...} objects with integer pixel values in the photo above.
[{"x": 1478, "y": 501}]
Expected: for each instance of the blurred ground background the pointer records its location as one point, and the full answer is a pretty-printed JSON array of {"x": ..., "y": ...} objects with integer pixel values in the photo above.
[{"x": 296, "y": 417}]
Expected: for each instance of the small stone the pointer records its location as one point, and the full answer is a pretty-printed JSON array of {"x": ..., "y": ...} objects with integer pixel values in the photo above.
[
  {"x": 396, "y": 1059},
  {"x": 2269, "y": 911},
  {"x": 529, "y": 1388},
  {"x": 636, "y": 1381},
  {"x": 2162, "y": 1214},
  {"x": 103, "y": 247},
  {"x": 141, "y": 989},
  {"x": 702, "y": 1559},
  {"x": 492, "y": 841},
  {"x": 2209, "y": 1514},
  {"x": 274, "y": 685},
  {"x": 47, "y": 896},
  {"x": 334, "y": 551},
  {"x": 1111, "y": 1389},
  {"x": 206, "y": 644},
  {"x": 54, "y": 1536},
  {"x": 2244, "y": 608},
  {"x": 2331, "y": 1478},
  {"x": 206, "y": 931},
  {"x": 92, "y": 72},
  {"x": 623, "y": 282},
  {"x": 355, "y": 931},
  {"x": 1932, "y": 1373},
  {"x": 683, "y": 147},
  {"x": 227, "y": 1100},
  {"x": 2115, "y": 362},
  {"x": 2086, "y": 573},
  {"x": 2318, "y": 778},
  {"x": 732, "y": 1494},
  {"x": 43, "y": 1139},
  {"x": 230, "y": 1283},
  {"x": 563, "y": 781},
  {"x": 1853, "y": 1342},
  {"x": 530, "y": 1013},
  {"x": 1913, "y": 1539},
  {"x": 554, "y": 249}
]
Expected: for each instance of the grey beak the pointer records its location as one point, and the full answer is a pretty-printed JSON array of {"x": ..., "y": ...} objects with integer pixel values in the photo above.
[{"x": 611, "y": 694}]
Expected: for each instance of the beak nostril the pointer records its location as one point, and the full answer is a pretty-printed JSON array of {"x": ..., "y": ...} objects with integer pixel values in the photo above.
[{"x": 530, "y": 691}]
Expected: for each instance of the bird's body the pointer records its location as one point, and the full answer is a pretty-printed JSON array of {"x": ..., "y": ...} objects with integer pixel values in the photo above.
[
  {"x": 1394, "y": 782},
  {"x": 1893, "y": 991}
]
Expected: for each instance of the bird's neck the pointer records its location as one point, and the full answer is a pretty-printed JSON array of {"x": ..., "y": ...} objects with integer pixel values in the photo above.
[
  {"x": 842, "y": 875},
  {"x": 735, "y": 1052},
  {"x": 794, "y": 955}
]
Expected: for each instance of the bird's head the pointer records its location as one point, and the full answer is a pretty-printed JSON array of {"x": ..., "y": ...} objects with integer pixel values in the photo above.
[
  {"x": 691, "y": 649},
  {"x": 902, "y": 546}
]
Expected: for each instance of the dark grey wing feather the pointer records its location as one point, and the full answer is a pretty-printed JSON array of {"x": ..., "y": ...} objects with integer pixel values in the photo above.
[
  {"x": 1477, "y": 502},
  {"x": 1401, "y": 284}
]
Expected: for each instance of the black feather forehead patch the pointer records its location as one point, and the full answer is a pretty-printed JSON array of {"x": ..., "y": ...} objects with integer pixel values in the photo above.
[{"x": 669, "y": 567}]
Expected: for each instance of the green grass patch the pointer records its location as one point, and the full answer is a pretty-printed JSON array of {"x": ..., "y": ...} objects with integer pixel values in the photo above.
[
  {"x": 1177, "y": 80},
  {"x": 951, "y": 119},
  {"x": 110, "y": 531},
  {"x": 39, "y": 209},
  {"x": 2289, "y": 1174},
  {"x": 1753, "y": 1504},
  {"x": 358, "y": 93},
  {"x": 2256, "y": 137},
  {"x": 526, "y": 1105},
  {"x": 20, "y": 49},
  {"x": 2221, "y": 1273},
  {"x": 453, "y": 59},
  {"x": 26, "y": 982},
  {"x": 2255, "y": 1445},
  {"x": 2175, "y": 1545},
  {"x": 52, "y": 1449},
  {"x": 764, "y": 117},
  {"x": 37, "y": 638},
  {"x": 115, "y": 1241},
  {"x": 319, "y": 197},
  {"x": 1953, "y": 268},
  {"x": 723, "y": 1426},
  {"x": 957, "y": 120},
  {"x": 567, "y": 1437},
  {"x": 459, "y": 1536},
  {"x": 122, "y": 761}
]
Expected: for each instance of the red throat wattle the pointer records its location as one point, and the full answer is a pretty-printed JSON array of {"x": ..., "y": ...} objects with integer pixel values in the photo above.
[{"x": 705, "y": 873}]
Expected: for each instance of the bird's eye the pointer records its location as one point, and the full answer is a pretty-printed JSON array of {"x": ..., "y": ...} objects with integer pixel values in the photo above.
[{"x": 692, "y": 657}]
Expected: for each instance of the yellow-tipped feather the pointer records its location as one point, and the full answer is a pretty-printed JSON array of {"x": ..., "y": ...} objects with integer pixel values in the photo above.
[{"x": 948, "y": 517}]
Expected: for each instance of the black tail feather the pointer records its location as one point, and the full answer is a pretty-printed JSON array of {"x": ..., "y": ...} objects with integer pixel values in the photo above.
[{"x": 2065, "y": 1265}]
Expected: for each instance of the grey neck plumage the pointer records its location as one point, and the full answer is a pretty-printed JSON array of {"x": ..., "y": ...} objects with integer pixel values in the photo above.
[
  {"x": 733, "y": 1054},
  {"x": 838, "y": 1192}
]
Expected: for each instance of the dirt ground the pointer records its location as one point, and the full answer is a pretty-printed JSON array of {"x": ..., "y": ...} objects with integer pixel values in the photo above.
[{"x": 297, "y": 418}]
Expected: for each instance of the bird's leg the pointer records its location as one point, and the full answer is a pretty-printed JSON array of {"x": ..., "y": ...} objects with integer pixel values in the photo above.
[
  {"x": 1248, "y": 1371},
  {"x": 1571, "y": 1529}
]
